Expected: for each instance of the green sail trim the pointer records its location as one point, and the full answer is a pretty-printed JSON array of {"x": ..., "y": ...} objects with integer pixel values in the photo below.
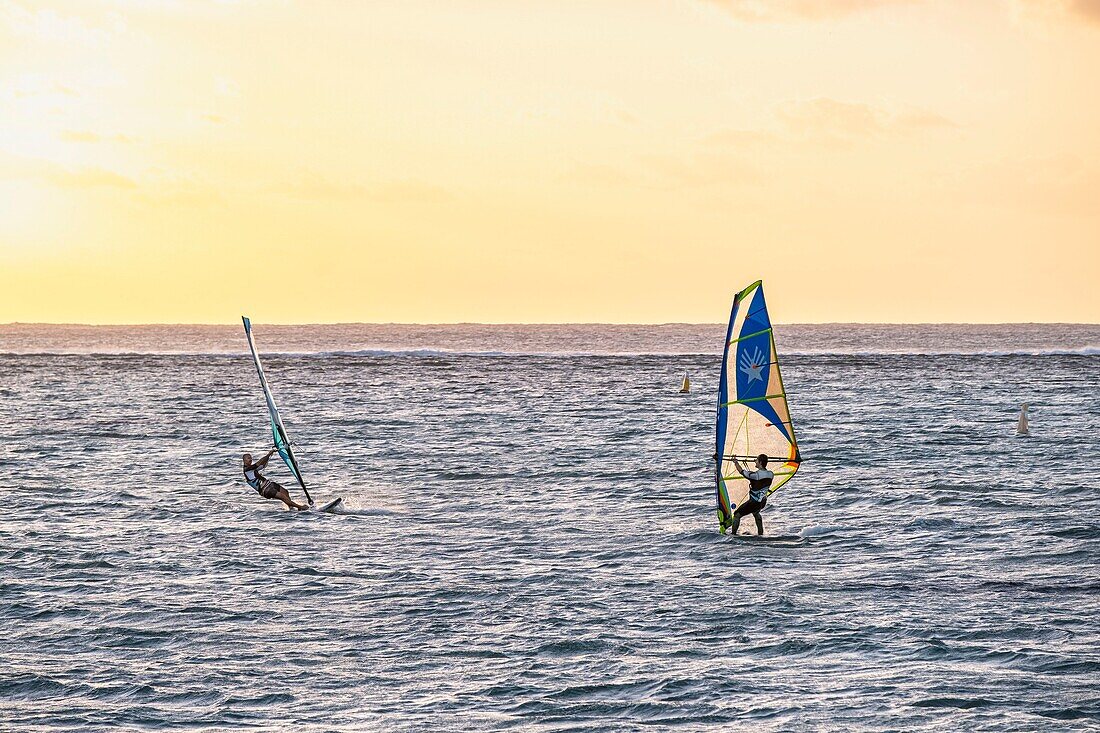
[
  {"x": 755, "y": 399},
  {"x": 749, "y": 336},
  {"x": 739, "y": 477}
]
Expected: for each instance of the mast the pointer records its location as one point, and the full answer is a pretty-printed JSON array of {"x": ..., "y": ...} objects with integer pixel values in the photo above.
[{"x": 278, "y": 430}]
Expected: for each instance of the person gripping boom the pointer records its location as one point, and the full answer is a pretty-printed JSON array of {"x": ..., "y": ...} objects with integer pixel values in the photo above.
[
  {"x": 267, "y": 488},
  {"x": 760, "y": 481}
]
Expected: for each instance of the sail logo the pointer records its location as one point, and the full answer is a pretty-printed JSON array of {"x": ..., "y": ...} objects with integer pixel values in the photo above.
[{"x": 753, "y": 365}]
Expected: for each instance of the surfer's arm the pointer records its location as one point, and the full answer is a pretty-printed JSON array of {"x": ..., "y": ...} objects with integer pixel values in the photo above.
[{"x": 263, "y": 461}]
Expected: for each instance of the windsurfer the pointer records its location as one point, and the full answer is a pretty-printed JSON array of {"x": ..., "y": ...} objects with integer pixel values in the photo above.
[
  {"x": 267, "y": 488},
  {"x": 760, "y": 481}
]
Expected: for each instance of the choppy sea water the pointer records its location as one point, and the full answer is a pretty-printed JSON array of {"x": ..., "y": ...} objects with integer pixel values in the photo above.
[{"x": 530, "y": 541}]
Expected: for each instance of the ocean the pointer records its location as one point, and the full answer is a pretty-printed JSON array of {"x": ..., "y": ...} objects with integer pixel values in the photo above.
[{"x": 529, "y": 540}]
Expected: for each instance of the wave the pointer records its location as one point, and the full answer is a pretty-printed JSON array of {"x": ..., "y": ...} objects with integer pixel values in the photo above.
[
  {"x": 1045, "y": 351},
  {"x": 447, "y": 353},
  {"x": 429, "y": 353}
]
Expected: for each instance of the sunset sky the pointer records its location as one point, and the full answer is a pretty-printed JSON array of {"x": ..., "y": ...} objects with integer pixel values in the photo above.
[{"x": 549, "y": 160}]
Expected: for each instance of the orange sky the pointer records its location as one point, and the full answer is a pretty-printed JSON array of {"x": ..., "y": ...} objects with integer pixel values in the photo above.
[{"x": 549, "y": 161}]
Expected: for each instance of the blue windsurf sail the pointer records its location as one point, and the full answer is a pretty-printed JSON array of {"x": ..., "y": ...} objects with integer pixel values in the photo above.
[
  {"x": 753, "y": 416},
  {"x": 278, "y": 432}
]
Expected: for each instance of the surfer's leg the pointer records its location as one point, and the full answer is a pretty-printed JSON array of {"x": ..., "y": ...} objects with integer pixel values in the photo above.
[
  {"x": 284, "y": 496},
  {"x": 759, "y": 523},
  {"x": 749, "y": 507},
  {"x": 278, "y": 492}
]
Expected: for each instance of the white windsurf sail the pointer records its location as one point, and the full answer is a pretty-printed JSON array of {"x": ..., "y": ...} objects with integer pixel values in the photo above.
[
  {"x": 278, "y": 432},
  {"x": 753, "y": 416}
]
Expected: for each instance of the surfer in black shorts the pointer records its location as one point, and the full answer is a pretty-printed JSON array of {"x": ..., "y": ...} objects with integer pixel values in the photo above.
[
  {"x": 267, "y": 488},
  {"x": 760, "y": 481}
]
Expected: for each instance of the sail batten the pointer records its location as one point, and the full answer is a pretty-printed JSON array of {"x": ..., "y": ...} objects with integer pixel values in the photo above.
[
  {"x": 749, "y": 336},
  {"x": 278, "y": 430},
  {"x": 750, "y": 400},
  {"x": 753, "y": 416}
]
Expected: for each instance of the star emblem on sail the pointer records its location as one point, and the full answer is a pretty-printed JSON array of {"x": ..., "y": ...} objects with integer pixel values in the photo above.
[{"x": 753, "y": 365}]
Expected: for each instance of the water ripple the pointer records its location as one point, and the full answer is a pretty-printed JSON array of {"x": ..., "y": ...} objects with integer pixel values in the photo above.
[{"x": 529, "y": 543}]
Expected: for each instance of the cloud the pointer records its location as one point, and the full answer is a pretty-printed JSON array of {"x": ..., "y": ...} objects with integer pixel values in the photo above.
[
  {"x": 88, "y": 178},
  {"x": 28, "y": 85},
  {"x": 828, "y": 122},
  {"x": 84, "y": 136},
  {"x": 78, "y": 136},
  {"x": 779, "y": 10},
  {"x": 600, "y": 174},
  {"x": 226, "y": 87},
  {"x": 156, "y": 187},
  {"x": 407, "y": 191},
  {"x": 741, "y": 138},
  {"x": 922, "y": 121},
  {"x": 702, "y": 170},
  {"x": 1062, "y": 185},
  {"x": 168, "y": 194},
  {"x": 1041, "y": 11},
  {"x": 625, "y": 117},
  {"x": 831, "y": 120},
  {"x": 45, "y": 171},
  {"x": 314, "y": 186},
  {"x": 829, "y": 117},
  {"x": 1087, "y": 9},
  {"x": 49, "y": 26}
]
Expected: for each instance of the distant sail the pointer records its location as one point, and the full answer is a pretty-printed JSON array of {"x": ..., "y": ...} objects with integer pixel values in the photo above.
[
  {"x": 1022, "y": 426},
  {"x": 753, "y": 416},
  {"x": 686, "y": 387},
  {"x": 278, "y": 432}
]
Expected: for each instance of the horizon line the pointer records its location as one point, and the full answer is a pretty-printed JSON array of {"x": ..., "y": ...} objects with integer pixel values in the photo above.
[{"x": 547, "y": 323}]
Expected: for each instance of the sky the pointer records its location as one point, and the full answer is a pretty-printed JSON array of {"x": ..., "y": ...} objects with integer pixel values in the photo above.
[{"x": 625, "y": 161}]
